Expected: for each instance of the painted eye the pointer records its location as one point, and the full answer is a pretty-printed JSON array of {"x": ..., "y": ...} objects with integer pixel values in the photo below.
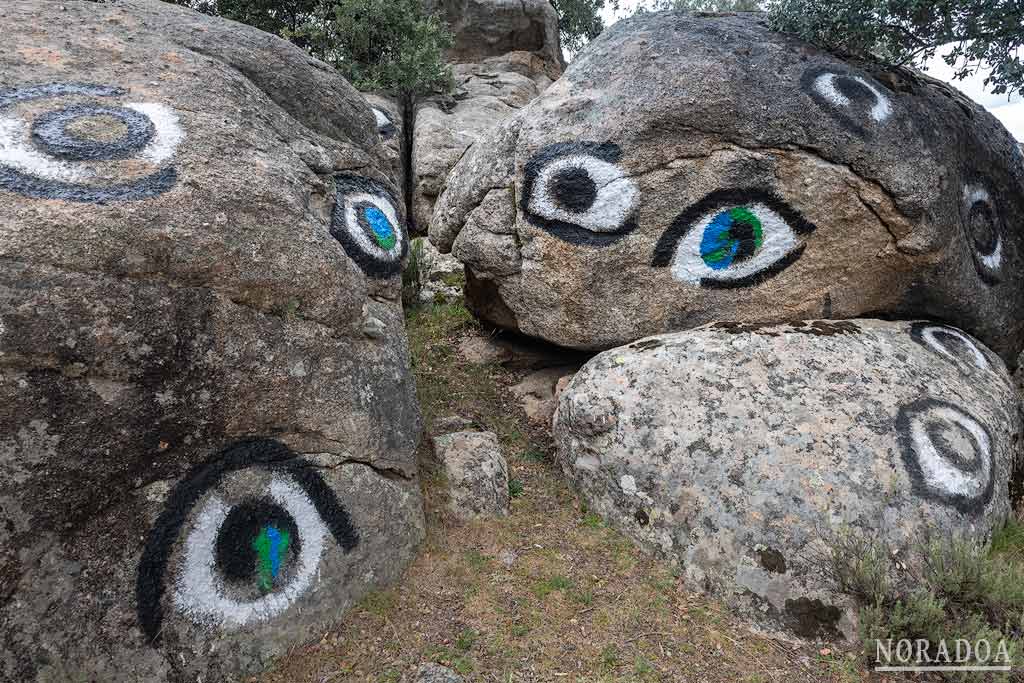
[
  {"x": 385, "y": 126},
  {"x": 853, "y": 100},
  {"x": 366, "y": 223},
  {"x": 732, "y": 238},
  {"x": 247, "y": 531},
  {"x": 947, "y": 453},
  {"x": 86, "y": 152},
  {"x": 576, "y": 192},
  {"x": 984, "y": 233},
  {"x": 950, "y": 343}
]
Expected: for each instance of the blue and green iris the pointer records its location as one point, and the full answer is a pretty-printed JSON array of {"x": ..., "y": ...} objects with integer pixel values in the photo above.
[
  {"x": 271, "y": 546},
  {"x": 383, "y": 231},
  {"x": 732, "y": 236}
]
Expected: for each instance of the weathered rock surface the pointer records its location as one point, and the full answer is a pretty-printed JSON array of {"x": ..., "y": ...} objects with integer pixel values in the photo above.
[
  {"x": 207, "y": 418},
  {"x": 441, "y": 276},
  {"x": 493, "y": 28},
  {"x": 477, "y": 474},
  {"x": 687, "y": 169},
  {"x": 737, "y": 449},
  {"x": 435, "y": 673},
  {"x": 388, "y": 116},
  {"x": 536, "y": 392},
  {"x": 505, "y": 54}
]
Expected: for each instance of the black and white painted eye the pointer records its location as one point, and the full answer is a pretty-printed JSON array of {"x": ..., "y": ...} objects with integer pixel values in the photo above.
[
  {"x": 578, "y": 193},
  {"x": 89, "y": 150},
  {"x": 240, "y": 539},
  {"x": 385, "y": 126},
  {"x": 852, "y": 99},
  {"x": 950, "y": 343},
  {"x": 732, "y": 238},
  {"x": 947, "y": 453},
  {"x": 366, "y": 223},
  {"x": 984, "y": 233}
]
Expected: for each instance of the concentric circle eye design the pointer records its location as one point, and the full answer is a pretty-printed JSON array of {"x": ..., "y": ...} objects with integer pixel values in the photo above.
[
  {"x": 983, "y": 230},
  {"x": 947, "y": 453},
  {"x": 950, "y": 343},
  {"x": 385, "y": 126},
  {"x": 732, "y": 238},
  {"x": 576, "y": 192},
  {"x": 366, "y": 224},
  {"x": 852, "y": 99},
  {"x": 87, "y": 151},
  {"x": 248, "y": 530}
]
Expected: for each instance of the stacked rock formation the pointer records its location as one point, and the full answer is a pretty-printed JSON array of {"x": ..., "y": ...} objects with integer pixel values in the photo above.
[
  {"x": 692, "y": 170},
  {"x": 504, "y": 55},
  {"x": 689, "y": 169},
  {"x": 207, "y": 418}
]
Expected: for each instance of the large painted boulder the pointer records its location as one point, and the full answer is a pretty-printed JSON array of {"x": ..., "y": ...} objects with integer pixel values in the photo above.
[
  {"x": 207, "y": 417},
  {"x": 505, "y": 53},
  {"x": 692, "y": 168},
  {"x": 742, "y": 451}
]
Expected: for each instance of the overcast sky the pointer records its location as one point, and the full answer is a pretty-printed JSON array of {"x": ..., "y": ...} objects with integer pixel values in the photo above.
[{"x": 1009, "y": 111}]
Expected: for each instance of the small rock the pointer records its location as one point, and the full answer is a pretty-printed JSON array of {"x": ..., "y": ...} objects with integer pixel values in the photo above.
[
  {"x": 452, "y": 423},
  {"x": 537, "y": 392},
  {"x": 441, "y": 276},
  {"x": 435, "y": 673},
  {"x": 483, "y": 350},
  {"x": 508, "y": 558},
  {"x": 477, "y": 474}
]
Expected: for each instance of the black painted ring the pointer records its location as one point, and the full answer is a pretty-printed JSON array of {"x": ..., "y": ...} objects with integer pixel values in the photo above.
[{"x": 50, "y": 133}]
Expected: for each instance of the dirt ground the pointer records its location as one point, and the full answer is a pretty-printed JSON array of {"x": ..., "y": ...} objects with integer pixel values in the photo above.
[{"x": 548, "y": 593}]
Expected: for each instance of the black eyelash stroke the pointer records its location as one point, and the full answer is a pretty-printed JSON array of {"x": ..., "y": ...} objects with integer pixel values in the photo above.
[
  {"x": 346, "y": 184},
  {"x": 156, "y": 555},
  {"x": 664, "y": 251},
  {"x": 569, "y": 232}
]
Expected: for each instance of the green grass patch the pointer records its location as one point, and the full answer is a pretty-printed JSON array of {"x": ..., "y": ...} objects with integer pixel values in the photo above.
[
  {"x": 377, "y": 602},
  {"x": 555, "y": 583},
  {"x": 943, "y": 589},
  {"x": 465, "y": 639}
]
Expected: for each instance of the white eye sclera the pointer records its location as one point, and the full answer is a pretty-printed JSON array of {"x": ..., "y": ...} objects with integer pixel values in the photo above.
[
  {"x": 732, "y": 238},
  {"x": 852, "y": 99},
  {"x": 91, "y": 150},
  {"x": 240, "y": 539},
  {"x": 366, "y": 224},
  {"x": 577, "y": 192},
  {"x": 983, "y": 230}
]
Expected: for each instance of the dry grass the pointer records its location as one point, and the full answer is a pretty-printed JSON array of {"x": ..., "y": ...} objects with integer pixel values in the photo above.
[{"x": 546, "y": 594}]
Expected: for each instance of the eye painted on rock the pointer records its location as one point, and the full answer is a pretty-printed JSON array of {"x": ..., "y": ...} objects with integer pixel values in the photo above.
[
  {"x": 366, "y": 223},
  {"x": 947, "y": 453},
  {"x": 385, "y": 126},
  {"x": 240, "y": 539},
  {"x": 852, "y": 99},
  {"x": 951, "y": 344},
  {"x": 577, "y": 192},
  {"x": 983, "y": 231},
  {"x": 90, "y": 150},
  {"x": 732, "y": 238}
]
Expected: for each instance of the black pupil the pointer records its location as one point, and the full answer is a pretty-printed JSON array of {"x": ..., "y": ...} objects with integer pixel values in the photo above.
[
  {"x": 941, "y": 434},
  {"x": 743, "y": 232},
  {"x": 235, "y": 554},
  {"x": 982, "y": 223},
  {"x": 573, "y": 189},
  {"x": 855, "y": 91}
]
